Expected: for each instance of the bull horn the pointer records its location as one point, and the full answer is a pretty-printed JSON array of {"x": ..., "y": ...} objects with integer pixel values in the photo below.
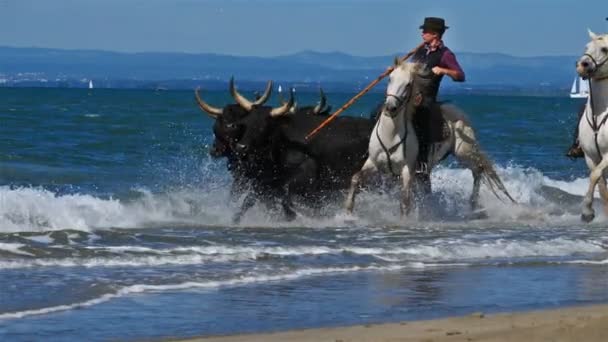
[
  {"x": 293, "y": 108},
  {"x": 322, "y": 102},
  {"x": 212, "y": 111},
  {"x": 264, "y": 96},
  {"x": 282, "y": 110},
  {"x": 240, "y": 99}
]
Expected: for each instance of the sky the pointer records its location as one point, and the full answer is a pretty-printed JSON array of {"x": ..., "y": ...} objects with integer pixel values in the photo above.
[{"x": 281, "y": 27}]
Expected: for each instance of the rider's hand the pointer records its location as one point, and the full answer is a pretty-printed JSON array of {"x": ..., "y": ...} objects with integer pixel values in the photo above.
[{"x": 438, "y": 70}]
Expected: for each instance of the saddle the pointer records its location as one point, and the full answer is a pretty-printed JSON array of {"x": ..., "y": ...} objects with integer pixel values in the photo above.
[{"x": 430, "y": 124}]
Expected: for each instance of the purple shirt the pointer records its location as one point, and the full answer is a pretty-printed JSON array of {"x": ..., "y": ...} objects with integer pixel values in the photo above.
[{"x": 448, "y": 61}]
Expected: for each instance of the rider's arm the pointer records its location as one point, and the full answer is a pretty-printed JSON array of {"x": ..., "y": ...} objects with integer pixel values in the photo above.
[{"x": 449, "y": 66}]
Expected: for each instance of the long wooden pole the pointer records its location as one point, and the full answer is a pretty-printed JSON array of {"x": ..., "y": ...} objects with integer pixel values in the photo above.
[{"x": 360, "y": 94}]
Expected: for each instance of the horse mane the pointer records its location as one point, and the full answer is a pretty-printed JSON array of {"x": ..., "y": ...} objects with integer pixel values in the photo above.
[{"x": 412, "y": 67}]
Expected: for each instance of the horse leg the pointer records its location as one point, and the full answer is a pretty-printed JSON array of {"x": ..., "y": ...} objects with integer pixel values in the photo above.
[
  {"x": 474, "y": 199},
  {"x": 468, "y": 153},
  {"x": 594, "y": 177},
  {"x": 356, "y": 182},
  {"x": 406, "y": 190},
  {"x": 603, "y": 193},
  {"x": 465, "y": 151}
]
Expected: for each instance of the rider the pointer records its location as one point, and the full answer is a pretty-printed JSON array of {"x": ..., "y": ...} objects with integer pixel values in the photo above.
[{"x": 438, "y": 61}]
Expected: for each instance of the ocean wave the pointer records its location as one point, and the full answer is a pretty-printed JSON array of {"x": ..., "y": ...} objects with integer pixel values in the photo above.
[
  {"x": 440, "y": 250},
  {"x": 36, "y": 209},
  {"x": 192, "y": 285}
]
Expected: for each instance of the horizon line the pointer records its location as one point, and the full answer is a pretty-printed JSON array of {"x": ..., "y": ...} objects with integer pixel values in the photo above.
[{"x": 262, "y": 57}]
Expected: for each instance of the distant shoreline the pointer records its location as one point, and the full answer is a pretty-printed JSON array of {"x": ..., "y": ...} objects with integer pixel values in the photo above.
[
  {"x": 580, "y": 323},
  {"x": 250, "y": 86},
  {"x": 331, "y": 70}
]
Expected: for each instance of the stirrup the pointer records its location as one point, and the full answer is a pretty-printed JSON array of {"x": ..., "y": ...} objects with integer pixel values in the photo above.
[{"x": 422, "y": 167}]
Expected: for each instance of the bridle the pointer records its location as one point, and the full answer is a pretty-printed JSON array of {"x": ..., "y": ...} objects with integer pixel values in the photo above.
[
  {"x": 401, "y": 101},
  {"x": 595, "y": 63}
]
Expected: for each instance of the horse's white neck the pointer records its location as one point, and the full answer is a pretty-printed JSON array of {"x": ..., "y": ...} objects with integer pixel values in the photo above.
[{"x": 599, "y": 96}]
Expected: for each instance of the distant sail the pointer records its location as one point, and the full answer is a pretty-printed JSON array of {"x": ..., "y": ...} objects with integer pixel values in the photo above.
[
  {"x": 583, "y": 86},
  {"x": 90, "y": 84},
  {"x": 280, "y": 89},
  {"x": 580, "y": 88},
  {"x": 573, "y": 89}
]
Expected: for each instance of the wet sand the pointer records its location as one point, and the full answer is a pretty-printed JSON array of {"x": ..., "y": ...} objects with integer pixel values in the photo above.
[{"x": 581, "y": 324}]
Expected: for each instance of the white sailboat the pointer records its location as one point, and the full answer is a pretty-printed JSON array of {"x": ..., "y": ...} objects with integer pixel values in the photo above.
[
  {"x": 580, "y": 88},
  {"x": 90, "y": 84}
]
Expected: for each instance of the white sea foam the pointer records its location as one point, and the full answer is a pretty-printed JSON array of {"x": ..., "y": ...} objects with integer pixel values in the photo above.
[
  {"x": 576, "y": 187},
  {"x": 589, "y": 262},
  {"x": 14, "y": 248},
  {"x": 36, "y": 209},
  {"x": 45, "y": 239}
]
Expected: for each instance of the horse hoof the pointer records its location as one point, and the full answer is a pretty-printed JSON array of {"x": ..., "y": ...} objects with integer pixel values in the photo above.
[{"x": 587, "y": 217}]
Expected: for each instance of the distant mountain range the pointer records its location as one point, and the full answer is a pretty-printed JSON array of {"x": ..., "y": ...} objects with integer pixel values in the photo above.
[{"x": 337, "y": 70}]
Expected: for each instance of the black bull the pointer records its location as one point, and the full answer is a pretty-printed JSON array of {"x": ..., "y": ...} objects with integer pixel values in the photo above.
[
  {"x": 293, "y": 166},
  {"x": 266, "y": 150}
]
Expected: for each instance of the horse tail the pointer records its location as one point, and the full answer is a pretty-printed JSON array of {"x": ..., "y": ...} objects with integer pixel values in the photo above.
[{"x": 489, "y": 175}]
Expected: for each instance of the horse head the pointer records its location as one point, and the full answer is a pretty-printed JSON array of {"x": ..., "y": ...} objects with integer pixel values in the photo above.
[
  {"x": 400, "y": 86},
  {"x": 594, "y": 62}
]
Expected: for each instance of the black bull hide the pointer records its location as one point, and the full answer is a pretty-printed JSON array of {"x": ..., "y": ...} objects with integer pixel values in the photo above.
[{"x": 269, "y": 156}]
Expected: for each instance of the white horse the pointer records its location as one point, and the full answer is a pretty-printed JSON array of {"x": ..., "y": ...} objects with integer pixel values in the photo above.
[
  {"x": 393, "y": 145},
  {"x": 592, "y": 134}
]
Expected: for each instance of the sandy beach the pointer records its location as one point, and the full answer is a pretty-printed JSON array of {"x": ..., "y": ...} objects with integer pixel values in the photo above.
[{"x": 582, "y": 324}]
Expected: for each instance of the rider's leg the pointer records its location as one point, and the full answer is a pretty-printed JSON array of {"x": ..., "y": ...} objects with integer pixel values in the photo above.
[
  {"x": 422, "y": 124},
  {"x": 575, "y": 150}
]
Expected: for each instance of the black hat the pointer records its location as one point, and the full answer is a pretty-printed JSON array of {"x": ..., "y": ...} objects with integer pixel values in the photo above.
[{"x": 434, "y": 24}]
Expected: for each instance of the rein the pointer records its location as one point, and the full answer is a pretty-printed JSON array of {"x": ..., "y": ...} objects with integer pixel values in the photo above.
[
  {"x": 593, "y": 122},
  {"x": 399, "y": 99},
  {"x": 402, "y": 100}
]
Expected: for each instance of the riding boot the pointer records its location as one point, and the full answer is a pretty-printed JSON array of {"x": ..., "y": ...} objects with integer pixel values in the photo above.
[{"x": 575, "y": 151}]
